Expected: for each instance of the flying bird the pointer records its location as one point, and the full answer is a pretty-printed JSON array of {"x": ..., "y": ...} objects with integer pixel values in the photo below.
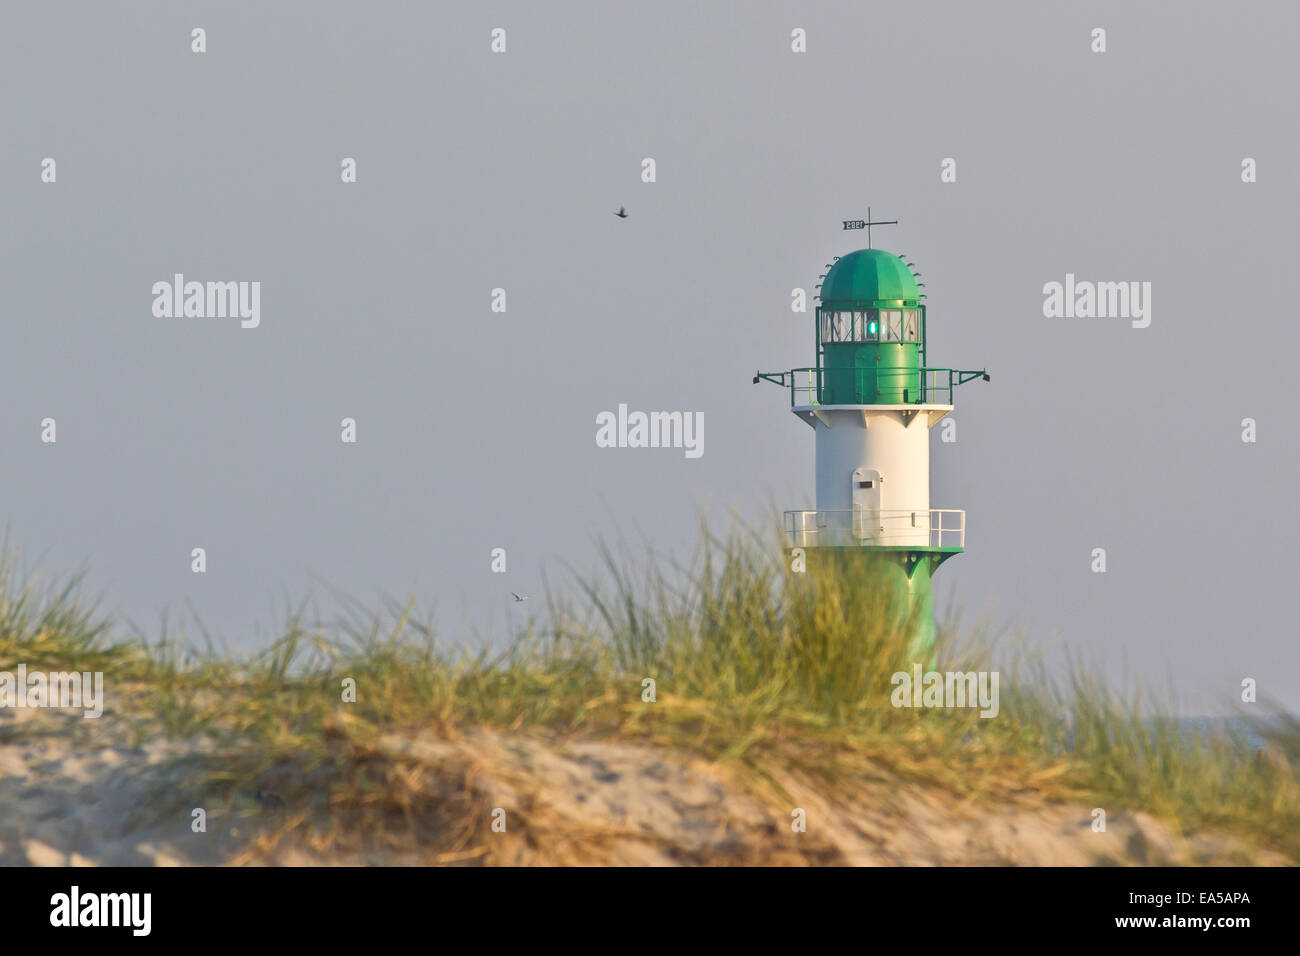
[
  {"x": 269, "y": 799},
  {"x": 519, "y": 597},
  {"x": 622, "y": 212}
]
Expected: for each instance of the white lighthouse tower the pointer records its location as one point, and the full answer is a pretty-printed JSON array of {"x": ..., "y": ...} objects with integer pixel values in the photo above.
[{"x": 872, "y": 400}]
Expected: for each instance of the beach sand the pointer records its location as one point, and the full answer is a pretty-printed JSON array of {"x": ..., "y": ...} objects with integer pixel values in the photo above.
[{"x": 79, "y": 792}]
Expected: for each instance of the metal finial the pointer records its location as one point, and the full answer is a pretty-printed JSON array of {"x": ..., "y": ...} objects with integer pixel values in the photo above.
[{"x": 867, "y": 224}]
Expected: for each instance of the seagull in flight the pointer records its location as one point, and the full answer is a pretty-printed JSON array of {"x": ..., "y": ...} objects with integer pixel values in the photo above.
[
  {"x": 622, "y": 212},
  {"x": 518, "y": 597}
]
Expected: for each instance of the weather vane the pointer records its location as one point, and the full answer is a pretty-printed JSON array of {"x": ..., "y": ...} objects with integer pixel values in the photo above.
[{"x": 867, "y": 224}]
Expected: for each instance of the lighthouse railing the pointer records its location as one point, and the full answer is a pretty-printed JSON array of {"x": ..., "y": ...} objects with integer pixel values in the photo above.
[
  {"x": 861, "y": 527},
  {"x": 930, "y": 385},
  {"x": 936, "y": 385}
]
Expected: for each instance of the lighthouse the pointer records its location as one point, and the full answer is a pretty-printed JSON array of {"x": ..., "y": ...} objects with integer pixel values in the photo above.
[{"x": 872, "y": 398}]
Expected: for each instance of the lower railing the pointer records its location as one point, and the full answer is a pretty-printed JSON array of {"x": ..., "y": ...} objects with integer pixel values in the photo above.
[{"x": 861, "y": 527}]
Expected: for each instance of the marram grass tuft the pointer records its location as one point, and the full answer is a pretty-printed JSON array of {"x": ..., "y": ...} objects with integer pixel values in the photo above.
[{"x": 755, "y": 668}]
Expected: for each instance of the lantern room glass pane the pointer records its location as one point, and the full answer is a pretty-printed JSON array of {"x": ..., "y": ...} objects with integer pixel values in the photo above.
[
  {"x": 892, "y": 324},
  {"x": 870, "y": 325},
  {"x": 826, "y": 327},
  {"x": 843, "y": 326},
  {"x": 910, "y": 322}
]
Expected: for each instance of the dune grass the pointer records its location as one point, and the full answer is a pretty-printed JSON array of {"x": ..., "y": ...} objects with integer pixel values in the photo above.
[{"x": 753, "y": 665}]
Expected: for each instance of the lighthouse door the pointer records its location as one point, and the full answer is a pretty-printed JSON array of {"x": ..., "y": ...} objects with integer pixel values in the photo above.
[{"x": 866, "y": 504}]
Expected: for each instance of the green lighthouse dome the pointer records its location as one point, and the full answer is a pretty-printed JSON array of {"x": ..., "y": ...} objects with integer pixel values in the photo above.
[{"x": 867, "y": 277}]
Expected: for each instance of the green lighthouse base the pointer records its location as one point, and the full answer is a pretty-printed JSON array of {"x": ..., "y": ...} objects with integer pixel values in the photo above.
[{"x": 899, "y": 578}]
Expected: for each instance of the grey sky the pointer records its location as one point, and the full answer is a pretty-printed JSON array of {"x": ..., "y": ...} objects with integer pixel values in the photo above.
[{"x": 476, "y": 430}]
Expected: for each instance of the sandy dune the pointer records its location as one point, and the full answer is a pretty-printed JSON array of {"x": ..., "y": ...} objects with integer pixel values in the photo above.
[{"x": 79, "y": 792}]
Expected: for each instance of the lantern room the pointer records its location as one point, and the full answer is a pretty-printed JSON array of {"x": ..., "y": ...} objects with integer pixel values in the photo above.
[{"x": 870, "y": 331}]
